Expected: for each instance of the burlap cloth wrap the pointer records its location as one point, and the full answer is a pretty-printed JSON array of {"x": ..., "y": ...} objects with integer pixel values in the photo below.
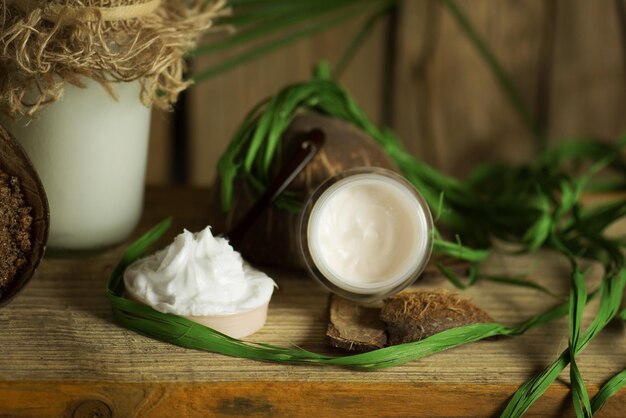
[{"x": 47, "y": 43}]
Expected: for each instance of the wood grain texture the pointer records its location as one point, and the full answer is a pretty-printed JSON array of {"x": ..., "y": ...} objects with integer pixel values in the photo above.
[
  {"x": 219, "y": 105},
  {"x": 159, "y": 149},
  {"x": 448, "y": 107},
  {"x": 588, "y": 76},
  {"x": 276, "y": 399},
  {"x": 60, "y": 347},
  {"x": 416, "y": 32}
]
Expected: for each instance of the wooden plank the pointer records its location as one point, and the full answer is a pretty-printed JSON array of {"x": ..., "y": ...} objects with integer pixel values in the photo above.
[
  {"x": 60, "y": 346},
  {"x": 416, "y": 32},
  {"x": 159, "y": 150},
  {"x": 448, "y": 108},
  {"x": 276, "y": 399},
  {"x": 588, "y": 83},
  {"x": 565, "y": 57},
  {"x": 219, "y": 105}
]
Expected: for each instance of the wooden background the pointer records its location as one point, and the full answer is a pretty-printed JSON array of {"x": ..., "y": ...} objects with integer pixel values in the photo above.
[{"x": 419, "y": 74}]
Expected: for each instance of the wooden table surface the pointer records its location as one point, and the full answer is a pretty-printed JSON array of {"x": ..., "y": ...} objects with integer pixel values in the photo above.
[{"x": 63, "y": 355}]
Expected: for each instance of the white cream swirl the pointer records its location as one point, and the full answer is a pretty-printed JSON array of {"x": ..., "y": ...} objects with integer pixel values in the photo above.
[{"x": 198, "y": 275}]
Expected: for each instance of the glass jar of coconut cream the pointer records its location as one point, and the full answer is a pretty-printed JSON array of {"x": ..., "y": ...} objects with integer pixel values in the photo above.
[{"x": 366, "y": 233}]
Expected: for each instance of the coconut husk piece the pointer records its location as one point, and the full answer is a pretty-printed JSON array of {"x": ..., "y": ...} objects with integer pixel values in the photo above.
[
  {"x": 406, "y": 317},
  {"x": 15, "y": 164},
  {"x": 345, "y": 147},
  {"x": 354, "y": 327},
  {"x": 414, "y": 315}
]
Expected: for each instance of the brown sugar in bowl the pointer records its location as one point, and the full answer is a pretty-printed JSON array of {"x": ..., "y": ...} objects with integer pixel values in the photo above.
[{"x": 24, "y": 218}]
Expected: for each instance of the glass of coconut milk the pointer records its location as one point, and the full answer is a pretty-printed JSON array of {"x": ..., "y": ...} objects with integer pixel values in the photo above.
[
  {"x": 90, "y": 151},
  {"x": 366, "y": 234}
]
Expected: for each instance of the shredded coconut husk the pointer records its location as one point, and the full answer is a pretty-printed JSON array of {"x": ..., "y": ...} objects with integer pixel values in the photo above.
[{"x": 45, "y": 44}]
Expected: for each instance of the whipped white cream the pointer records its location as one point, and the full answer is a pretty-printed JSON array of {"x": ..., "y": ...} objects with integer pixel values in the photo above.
[{"x": 198, "y": 275}]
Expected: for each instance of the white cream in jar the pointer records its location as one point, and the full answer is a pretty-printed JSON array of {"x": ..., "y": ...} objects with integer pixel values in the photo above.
[
  {"x": 202, "y": 278},
  {"x": 366, "y": 234}
]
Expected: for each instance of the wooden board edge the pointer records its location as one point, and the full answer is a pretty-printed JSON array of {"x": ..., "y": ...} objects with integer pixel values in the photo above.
[{"x": 276, "y": 399}]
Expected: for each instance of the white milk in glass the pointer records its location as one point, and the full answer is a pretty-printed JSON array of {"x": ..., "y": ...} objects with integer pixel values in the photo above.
[{"x": 90, "y": 152}]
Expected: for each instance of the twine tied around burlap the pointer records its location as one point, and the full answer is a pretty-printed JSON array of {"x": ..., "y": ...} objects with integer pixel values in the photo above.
[{"x": 47, "y": 43}]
